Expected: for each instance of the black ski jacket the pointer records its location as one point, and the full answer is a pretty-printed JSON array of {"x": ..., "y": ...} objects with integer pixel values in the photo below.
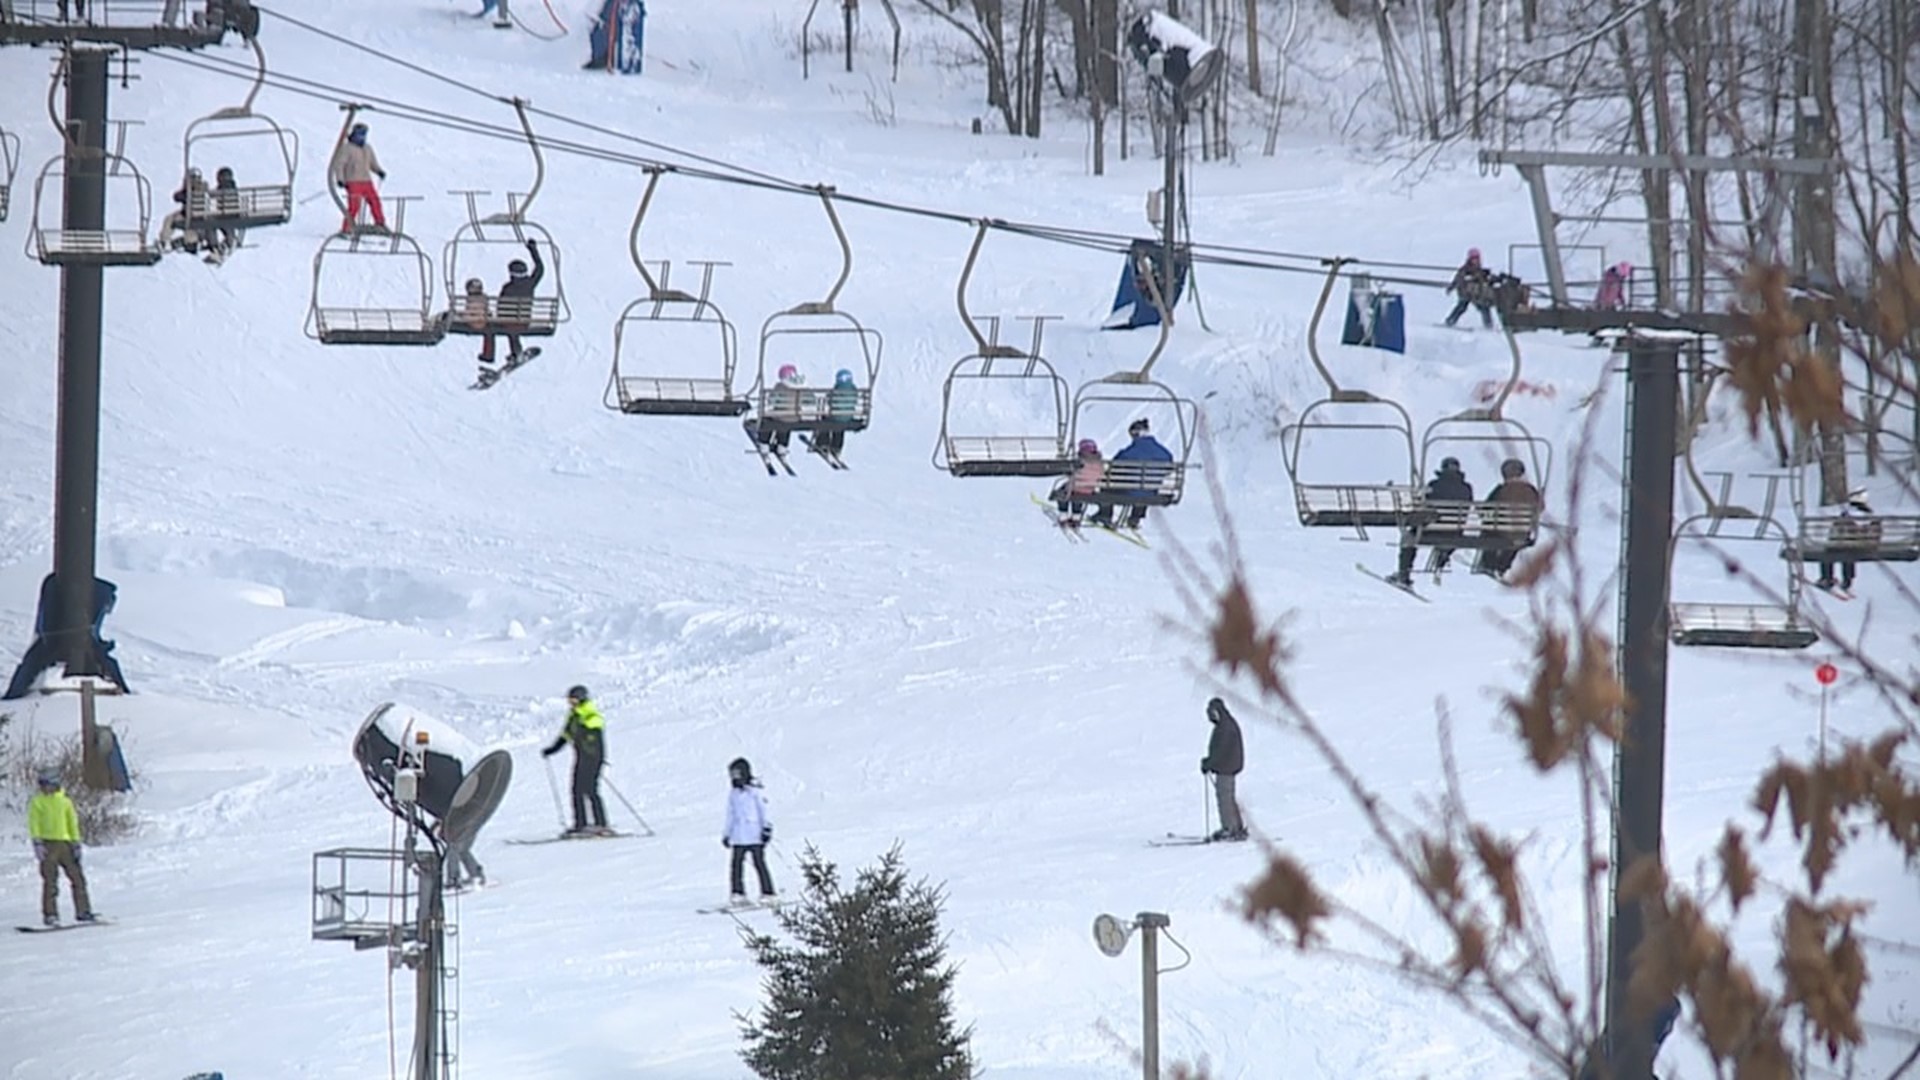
[{"x": 1226, "y": 755}]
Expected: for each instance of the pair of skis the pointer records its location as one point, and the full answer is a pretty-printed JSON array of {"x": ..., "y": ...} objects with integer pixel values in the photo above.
[
  {"x": 770, "y": 455},
  {"x": 608, "y": 835},
  {"x": 489, "y": 376},
  {"x": 1075, "y": 532},
  {"x": 832, "y": 456}
]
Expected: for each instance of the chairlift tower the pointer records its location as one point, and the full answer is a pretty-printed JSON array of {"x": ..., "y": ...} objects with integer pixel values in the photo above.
[{"x": 82, "y": 245}]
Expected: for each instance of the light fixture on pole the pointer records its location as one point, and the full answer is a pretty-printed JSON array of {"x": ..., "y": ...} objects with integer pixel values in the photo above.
[
  {"x": 444, "y": 789},
  {"x": 1111, "y": 935}
]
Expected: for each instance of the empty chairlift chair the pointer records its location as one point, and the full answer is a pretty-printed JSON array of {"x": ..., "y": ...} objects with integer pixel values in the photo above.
[
  {"x": 1003, "y": 411},
  {"x": 1349, "y": 455},
  {"x": 650, "y": 377},
  {"x": 374, "y": 288},
  {"x": 1734, "y": 615},
  {"x": 814, "y": 412},
  {"x": 123, "y": 238}
]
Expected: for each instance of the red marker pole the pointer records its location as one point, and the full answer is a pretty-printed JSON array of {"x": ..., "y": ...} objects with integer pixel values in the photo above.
[{"x": 1826, "y": 675}]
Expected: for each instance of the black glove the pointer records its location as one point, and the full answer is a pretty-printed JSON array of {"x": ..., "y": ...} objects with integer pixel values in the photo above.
[
  {"x": 534, "y": 248},
  {"x": 1203, "y": 766},
  {"x": 549, "y": 751},
  {"x": 766, "y": 834},
  {"x": 725, "y": 843},
  {"x": 380, "y": 174},
  {"x": 76, "y": 854}
]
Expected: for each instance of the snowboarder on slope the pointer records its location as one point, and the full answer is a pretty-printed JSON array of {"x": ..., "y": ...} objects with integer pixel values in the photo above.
[
  {"x": 1226, "y": 756},
  {"x": 748, "y": 831},
  {"x": 353, "y": 167},
  {"x": 1448, "y": 485},
  {"x": 54, "y": 826},
  {"x": 1144, "y": 448},
  {"x": 586, "y": 730}
]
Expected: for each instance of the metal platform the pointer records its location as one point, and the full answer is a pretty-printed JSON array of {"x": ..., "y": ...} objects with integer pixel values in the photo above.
[{"x": 365, "y": 896}]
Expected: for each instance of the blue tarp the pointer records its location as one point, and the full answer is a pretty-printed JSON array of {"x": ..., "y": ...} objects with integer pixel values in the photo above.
[
  {"x": 1375, "y": 318},
  {"x": 40, "y": 654},
  {"x": 1132, "y": 302}
]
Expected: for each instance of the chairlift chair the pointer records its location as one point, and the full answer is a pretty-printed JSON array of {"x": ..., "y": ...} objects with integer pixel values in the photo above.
[
  {"x": 123, "y": 239},
  {"x": 1322, "y": 498},
  {"x": 484, "y": 246},
  {"x": 636, "y": 386},
  {"x": 1825, "y": 535},
  {"x": 1138, "y": 483},
  {"x": 9, "y": 168},
  {"x": 1770, "y": 624},
  {"x": 1005, "y": 374},
  {"x": 1492, "y": 438},
  {"x": 402, "y": 318},
  {"x": 267, "y": 198},
  {"x": 806, "y": 409}
]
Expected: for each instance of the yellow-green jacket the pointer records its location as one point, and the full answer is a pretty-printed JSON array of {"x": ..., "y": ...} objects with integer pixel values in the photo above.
[
  {"x": 52, "y": 817},
  {"x": 585, "y": 730}
]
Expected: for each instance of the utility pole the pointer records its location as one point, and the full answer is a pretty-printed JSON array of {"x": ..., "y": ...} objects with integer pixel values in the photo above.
[
  {"x": 77, "y": 463},
  {"x": 1170, "y": 199},
  {"x": 1652, "y": 442},
  {"x": 1814, "y": 259}
]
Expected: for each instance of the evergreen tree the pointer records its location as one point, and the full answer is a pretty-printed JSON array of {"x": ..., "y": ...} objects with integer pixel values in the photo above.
[{"x": 864, "y": 991}]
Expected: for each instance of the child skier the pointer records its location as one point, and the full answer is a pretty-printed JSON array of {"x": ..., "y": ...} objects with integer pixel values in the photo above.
[
  {"x": 748, "y": 831},
  {"x": 1070, "y": 494}
]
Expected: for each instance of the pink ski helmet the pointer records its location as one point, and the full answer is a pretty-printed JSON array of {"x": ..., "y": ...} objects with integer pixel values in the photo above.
[
  {"x": 1089, "y": 448},
  {"x": 789, "y": 373},
  {"x": 1473, "y": 254}
]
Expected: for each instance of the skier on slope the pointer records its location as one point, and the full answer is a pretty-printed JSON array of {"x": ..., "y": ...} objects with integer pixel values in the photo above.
[
  {"x": 1474, "y": 285},
  {"x": 54, "y": 827},
  {"x": 748, "y": 831},
  {"x": 1448, "y": 485},
  {"x": 586, "y": 730},
  {"x": 1226, "y": 756}
]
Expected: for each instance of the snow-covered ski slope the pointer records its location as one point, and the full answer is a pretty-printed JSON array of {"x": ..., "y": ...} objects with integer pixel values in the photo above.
[{"x": 302, "y": 532}]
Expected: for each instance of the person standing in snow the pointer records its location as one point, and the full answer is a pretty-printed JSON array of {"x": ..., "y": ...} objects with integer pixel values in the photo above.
[
  {"x": 54, "y": 826},
  {"x": 1474, "y": 285},
  {"x": 586, "y": 730},
  {"x": 353, "y": 167},
  {"x": 1226, "y": 756},
  {"x": 748, "y": 832}
]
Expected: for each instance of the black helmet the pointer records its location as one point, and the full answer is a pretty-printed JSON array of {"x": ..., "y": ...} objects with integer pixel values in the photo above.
[
  {"x": 1512, "y": 469},
  {"x": 740, "y": 771},
  {"x": 1216, "y": 709},
  {"x": 518, "y": 268},
  {"x": 577, "y": 692},
  {"x": 1449, "y": 464}
]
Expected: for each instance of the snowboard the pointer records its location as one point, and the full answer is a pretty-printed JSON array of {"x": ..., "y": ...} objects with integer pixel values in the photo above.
[
  {"x": 563, "y": 837},
  {"x": 60, "y": 926},
  {"x": 490, "y": 377},
  {"x": 1382, "y": 578}
]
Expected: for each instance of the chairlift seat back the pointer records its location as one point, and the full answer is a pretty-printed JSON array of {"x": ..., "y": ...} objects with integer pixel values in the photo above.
[
  {"x": 1738, "y": 626},
  {"x": 1839, "y": 539},
  {"x": 1140, "y": 483},
  {"x": 810, "y": 408},
  {"x": 241, "y": 208},
  {"x": 667, "y": 396},
  {"x": 526, "y": 316},
  {"x": 1007, "y": 455},
  {"x": 1497, "y": 526}
]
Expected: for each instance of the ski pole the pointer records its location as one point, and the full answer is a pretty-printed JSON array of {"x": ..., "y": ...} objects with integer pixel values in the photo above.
[
  {"x": 611, "y": 786},
  {"x": 559, "y": 811},
  {"x": 1206, "y": 804}
]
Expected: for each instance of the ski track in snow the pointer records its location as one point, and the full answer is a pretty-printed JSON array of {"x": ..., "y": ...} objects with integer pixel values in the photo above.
[{"x": 301, "y": 533}]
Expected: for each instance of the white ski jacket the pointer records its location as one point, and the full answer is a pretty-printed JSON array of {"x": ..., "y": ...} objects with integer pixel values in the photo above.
[{"x": 746, "y": 816}]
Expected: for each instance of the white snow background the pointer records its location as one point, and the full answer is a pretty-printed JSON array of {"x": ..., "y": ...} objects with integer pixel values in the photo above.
[{"x": 302, "y": 532}]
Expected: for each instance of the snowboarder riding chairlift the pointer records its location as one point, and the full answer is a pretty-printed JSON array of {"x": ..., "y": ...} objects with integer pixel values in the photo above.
[
  {"x": 514, "y": 310},
  {"x": 54, "y": 827},
  {"x": 586, "y": 730},
  {"x": 1226, "y": 756},
  {"x": 748, "y": 831}
]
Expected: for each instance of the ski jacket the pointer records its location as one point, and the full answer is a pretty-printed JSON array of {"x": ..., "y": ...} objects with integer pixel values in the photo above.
[
  {"x": 843, "y": 401},
  {"x": 354, "y": 164},
  {"x": 1226, "y": 754},
  {"x": 586, "y": 730},
  {"x": 747, "y": 818},
  {"x": 1449, "y": 487},
  {"x": 1515, "y": 491},
  {"x": 1144, "y": 448},
  {"x": 521, "y": 286},
  {"x": 226, "y": 198},
  {"x": 473, "y": 309},
  {"x": 52, "y": 817},
  {"x": 1857, "y": 527},
  {"x": 1086, "y": 479}
]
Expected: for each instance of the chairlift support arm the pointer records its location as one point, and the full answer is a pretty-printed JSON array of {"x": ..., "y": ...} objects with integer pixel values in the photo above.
[
  {"x": 1313, "y": 326},
  {"x": 984, "y": 347},
  {"x": 655, "y": 290},
  {"x": 825, "y": 306},
  {"x": 539, "y": 159}
]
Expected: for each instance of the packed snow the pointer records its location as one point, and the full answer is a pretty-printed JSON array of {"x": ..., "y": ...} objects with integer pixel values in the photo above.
[{"x": 300, "y": 533}]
